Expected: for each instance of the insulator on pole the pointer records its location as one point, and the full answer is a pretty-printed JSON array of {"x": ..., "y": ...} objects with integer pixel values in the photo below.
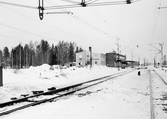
[
  {"x": 128, "y": 1},
  {"x": 41, "y": 9}
]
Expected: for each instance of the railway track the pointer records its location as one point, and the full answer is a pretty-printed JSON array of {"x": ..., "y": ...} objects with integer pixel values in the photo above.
[
  {"x": 158, "y": 95},
  {"x": 48, "y": 96}
]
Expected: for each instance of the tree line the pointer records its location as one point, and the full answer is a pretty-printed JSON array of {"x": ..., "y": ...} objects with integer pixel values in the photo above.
[{"x": 35, "y": 54}]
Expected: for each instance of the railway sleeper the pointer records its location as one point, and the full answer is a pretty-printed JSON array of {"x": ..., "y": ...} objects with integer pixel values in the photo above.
[
  {"x": 52, "y": 88},
  {"x": 165, "y": 109},
  {"x": 60, "y": 90},
  {"x": 37, "y": 92},
  {"x": 164, "y": 104}
]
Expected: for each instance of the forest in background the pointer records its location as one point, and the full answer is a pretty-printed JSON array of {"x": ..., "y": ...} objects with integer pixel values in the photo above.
[{"x": 38, "y": 53}]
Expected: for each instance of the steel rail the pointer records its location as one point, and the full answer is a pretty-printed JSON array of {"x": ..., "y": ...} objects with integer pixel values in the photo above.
[
  {"x": 54, "y": 91},
  {"x": 152, "y": 111},
  {"x": 66, "y": 93},
  {"x": 151, "y": 97},
  {"x": 160, "y": 77}
]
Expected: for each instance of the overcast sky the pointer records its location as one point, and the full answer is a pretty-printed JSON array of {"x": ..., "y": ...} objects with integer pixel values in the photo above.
[{"x": 136, "y": 25}]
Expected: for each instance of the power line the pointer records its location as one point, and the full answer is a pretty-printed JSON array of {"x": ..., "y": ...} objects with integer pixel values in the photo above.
[
  {"x": 83, "y": 3},
  {"x": 47, "y": 24},
  {"x": 26, "y": 31},
  {"x": 111, "y": 27},
  {"x": 105, "y": 22},
  {"x": 161, "y": 7},
  {"x": 79, "y": 19},
  {"x": 18, "y": 5},
  {"x": 76, "y": 17},
  {"x": 156, "y": 21},
  {"x": 11, "y": 37},
  {"x": 60, "y": 7},
  {"x": 40, "y": 22}
]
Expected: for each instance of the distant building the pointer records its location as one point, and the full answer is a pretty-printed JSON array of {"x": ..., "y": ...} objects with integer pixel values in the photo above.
[
  {"x": 165, "y": 63},
  {"x": 130, "y": 63},
  {"x": 114, "y": 59},
  {"x": 83, "y": 58}
]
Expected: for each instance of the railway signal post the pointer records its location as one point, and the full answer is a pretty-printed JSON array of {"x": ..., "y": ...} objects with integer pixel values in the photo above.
[{"x": 1, "y": 72}]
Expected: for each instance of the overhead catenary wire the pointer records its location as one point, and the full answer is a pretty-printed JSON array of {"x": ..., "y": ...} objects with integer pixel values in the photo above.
[
  {"x": 161, "y": 7},
  {"x": 18, "y": 29},
  {"x": 87, "y": 23},
  {"x": 22, "y": 39},
  {"x": 51, "y": 26},
  {"x": 89, "y": 4},
  {"x": 156, "y": 16},
  {"x": 18, "y": 5},
  {"x": 80, "y": 19},
  {"x": 83, "y": 3},
  {"x": 70, "y": 1},
  {"x": 11, "y": 37},
  {"x": 105, "y": 22},
  {"x": 83, "y": 21},
  {"x": 155, "y": 22},
  {"x": 112, "y": 28}
]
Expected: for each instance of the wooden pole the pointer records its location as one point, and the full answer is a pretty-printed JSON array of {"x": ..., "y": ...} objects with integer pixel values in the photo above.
[
  {"x": 1, "y": 72},
  {"x": 90, "y": 50}
]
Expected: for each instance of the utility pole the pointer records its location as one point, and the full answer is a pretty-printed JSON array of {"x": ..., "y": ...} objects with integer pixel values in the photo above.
[
  {"x": 20, "y": 56},
  {"x": 12, "y": 57},
  {"x": 160, "y": 51},
  {"x": 138, "y": 60},
  {"x": 155, "y": 60},
  {"x": 132, "y": 58},
  {"x": 1, "y": 70},
  {"x": 90, "y": 50},
  {"x": 118, "y": 46},
  {"x": 164, "y": 59}
]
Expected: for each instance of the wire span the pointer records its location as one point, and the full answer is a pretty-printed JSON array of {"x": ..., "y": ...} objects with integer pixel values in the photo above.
[
  {"x": 68, "y": 12},
  {"x": 89, "y": 4},
  {"x": 161, "y": 7},
  {"x": 18, "y": 5},
  {"x": 107, "y": 3},
  {"x": 70, "y": 1}
]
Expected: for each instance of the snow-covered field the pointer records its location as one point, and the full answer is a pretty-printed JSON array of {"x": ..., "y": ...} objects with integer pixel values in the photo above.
[{"x": 126, "y": 97}]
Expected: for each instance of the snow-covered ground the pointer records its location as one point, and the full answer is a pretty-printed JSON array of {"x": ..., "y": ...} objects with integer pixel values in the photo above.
[
  {"x": 126, "y": 97},
  {"x": 24, "y": 81}
]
